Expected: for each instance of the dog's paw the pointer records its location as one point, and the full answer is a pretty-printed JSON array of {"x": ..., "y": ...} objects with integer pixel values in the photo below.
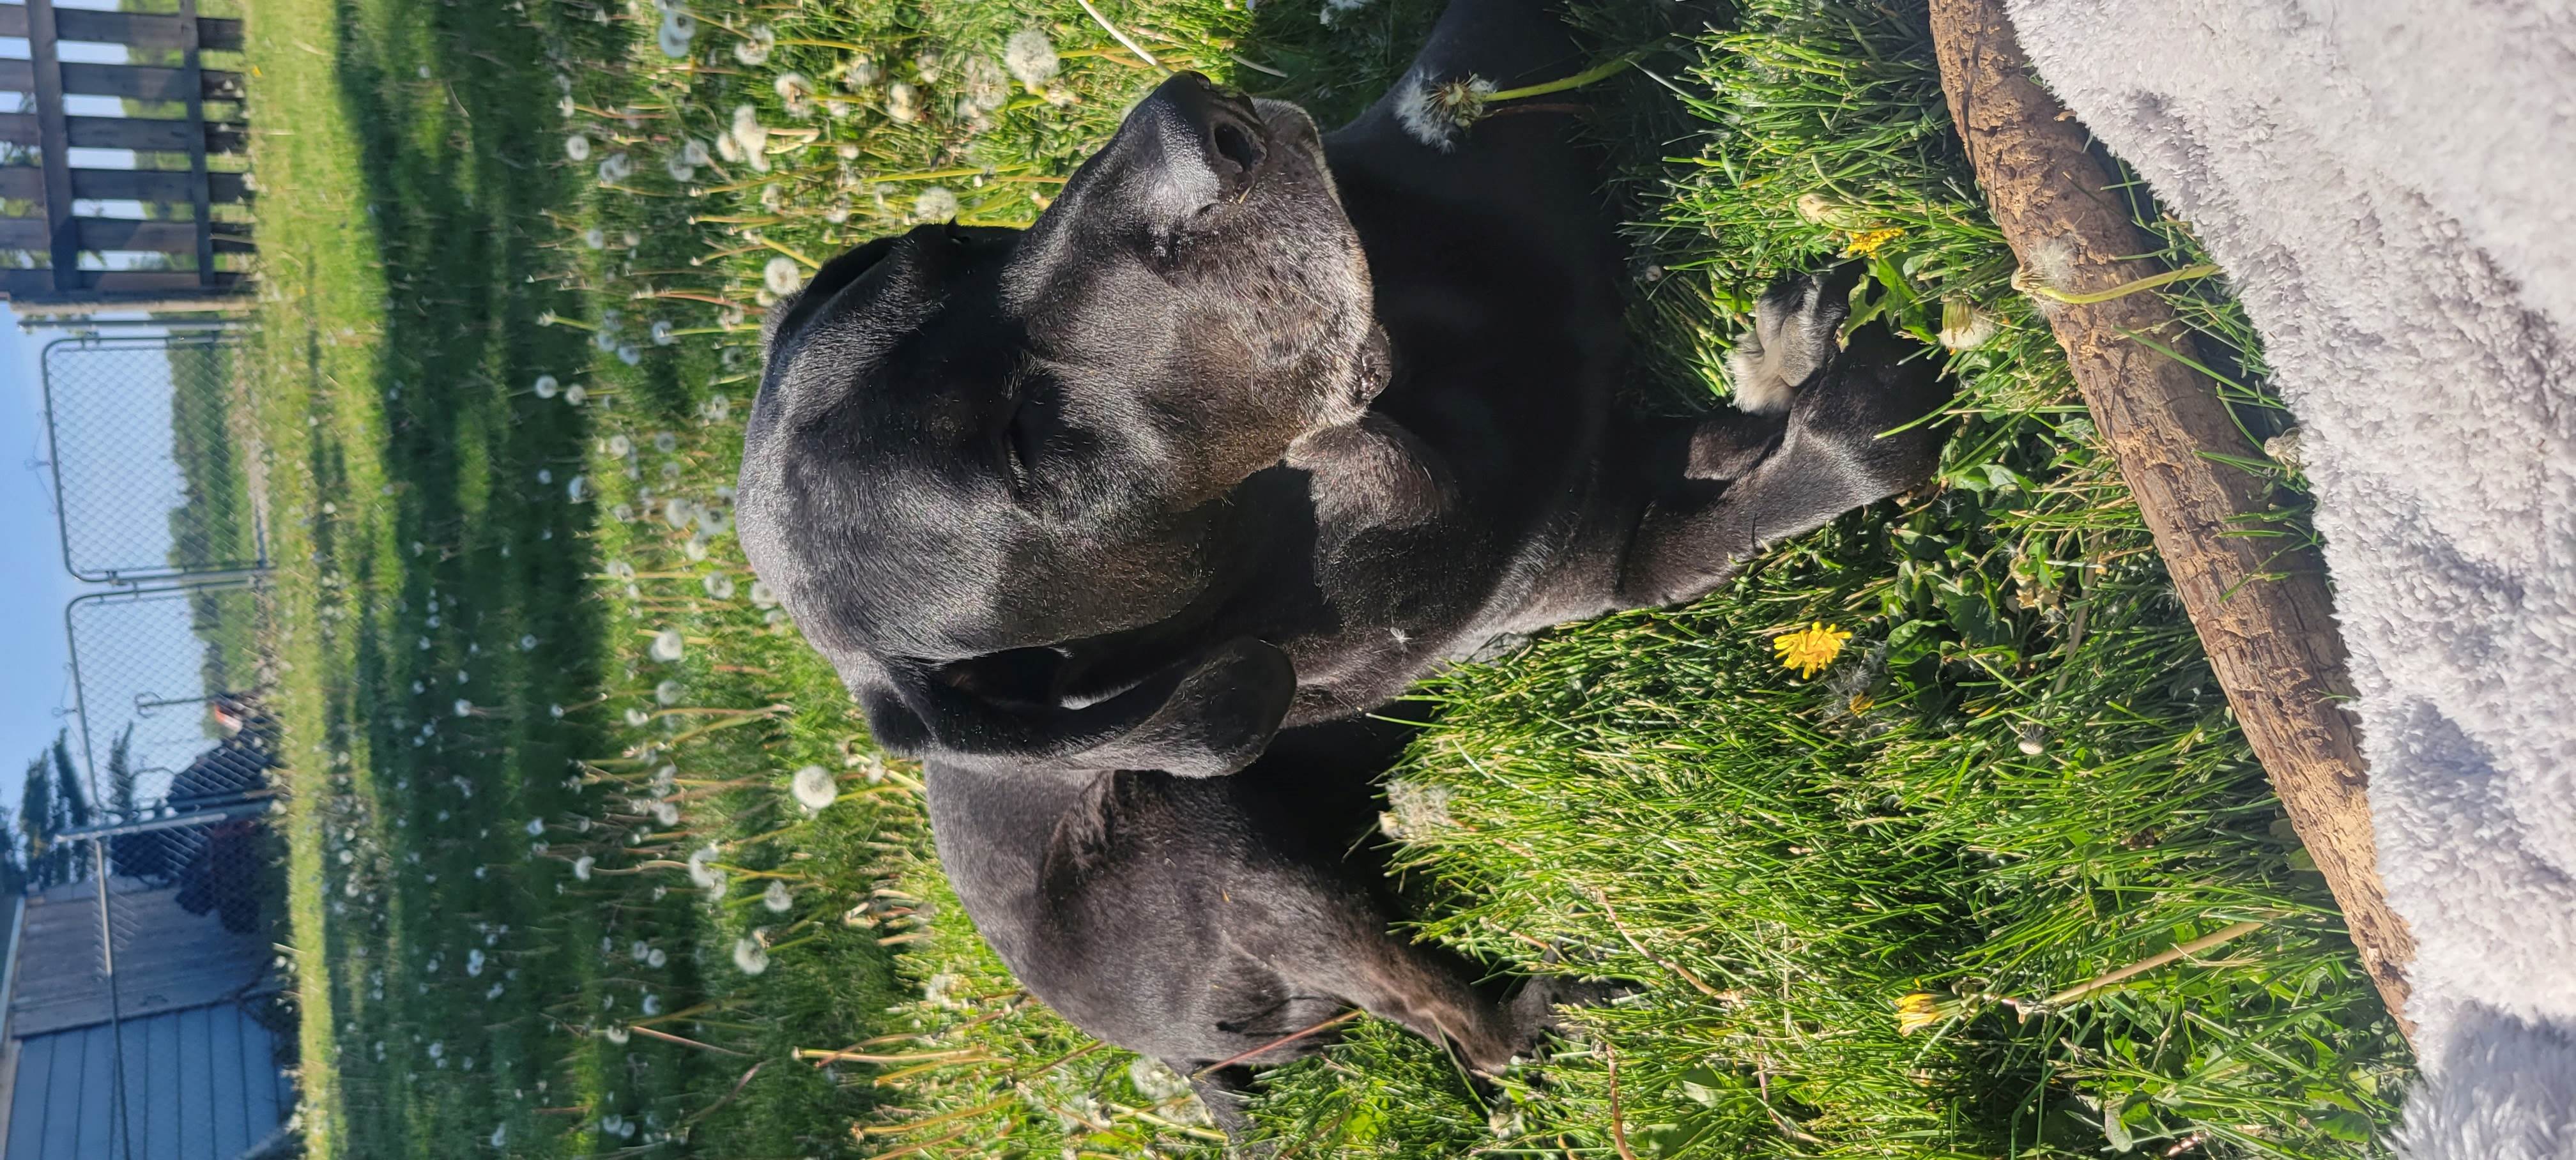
[
  {"x": 1794, "y": 333},
  {"x": 1536, "y": 1010}
]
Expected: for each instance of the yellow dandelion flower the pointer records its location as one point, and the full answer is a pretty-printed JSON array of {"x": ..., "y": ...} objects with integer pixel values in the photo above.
[
  {"x": 1917, "y": 1011},
  {"x": 1810, "y": 649},
  {"x": 1866, "y": 243}
]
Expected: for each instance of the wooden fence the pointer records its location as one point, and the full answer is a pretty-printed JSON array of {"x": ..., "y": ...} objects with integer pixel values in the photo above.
[{"x": 53, "y": 184}]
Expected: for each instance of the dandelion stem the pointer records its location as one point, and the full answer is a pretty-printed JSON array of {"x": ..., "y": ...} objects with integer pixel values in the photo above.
[
  {"x": 810, "y": 263},
  {"x": 925, "y": 1145},
  {"x": 1618, "y": 1125},
  {"x": 955, "y": 1055},
  {"x": 935, "y": 1121},
  {"x": 1166, "y": 1125},
  {"x": 1603, "y": 898},
  {"x": 1598, "y": 72},
  {"x": 1282, "y": 1041},
  {"x": 2222, "y": 935},
  {"x": 686, "y": 1042},
  {"x": 1120, "y": 37},
  {"x": 681, "y": 296},
  {"x": 2028, "y": 283}
]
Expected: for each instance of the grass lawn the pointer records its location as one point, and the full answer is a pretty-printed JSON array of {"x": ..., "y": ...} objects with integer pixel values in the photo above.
[{"x": 589, "y": 854}]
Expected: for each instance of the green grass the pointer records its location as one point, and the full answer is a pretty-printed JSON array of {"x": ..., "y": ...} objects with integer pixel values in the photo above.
[{"x": 2018, "y": 778}]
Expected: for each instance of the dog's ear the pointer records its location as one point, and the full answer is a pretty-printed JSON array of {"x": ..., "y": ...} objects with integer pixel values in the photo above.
[
  {"x": 1204, "y": 717},
  {"x": 790, "y": 314},
  {"x": 932, "y": 244}
]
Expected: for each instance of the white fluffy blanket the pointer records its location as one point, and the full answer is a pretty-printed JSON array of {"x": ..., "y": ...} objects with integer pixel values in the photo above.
[{"x": 2391, "y": 185}]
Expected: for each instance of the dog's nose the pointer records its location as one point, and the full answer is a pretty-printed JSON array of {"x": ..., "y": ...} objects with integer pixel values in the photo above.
[{"x": 1207, "y": 140}]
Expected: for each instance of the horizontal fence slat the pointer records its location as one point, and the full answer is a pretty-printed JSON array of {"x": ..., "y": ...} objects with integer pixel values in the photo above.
[
  {"x": 139, "y": 82},
  {"x": 158, "y": 281},
  {"x": 26, "y": 283},
  {"x": 146, "y": 134},
  {"x": 27, "y": 182},
  {"x": 39, "y": 284},
  {"x": 163, "y": 236},
  {"x": 151, "y": 134},
  {"x": 140, "y": 29}
]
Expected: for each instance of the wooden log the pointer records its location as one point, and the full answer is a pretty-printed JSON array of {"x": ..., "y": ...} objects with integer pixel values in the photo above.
[{"x": 2263, "y": 611}]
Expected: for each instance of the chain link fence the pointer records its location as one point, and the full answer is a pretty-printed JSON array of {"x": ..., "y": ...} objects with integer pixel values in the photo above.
[{"x": 155, "y": 468}]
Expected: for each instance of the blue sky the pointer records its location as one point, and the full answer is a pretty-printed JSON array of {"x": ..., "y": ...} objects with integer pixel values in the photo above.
[{"x": 35, "y": 680}]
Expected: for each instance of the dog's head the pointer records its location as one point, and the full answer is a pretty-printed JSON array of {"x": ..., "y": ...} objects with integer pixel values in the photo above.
[{"x": 974, "y": 446}]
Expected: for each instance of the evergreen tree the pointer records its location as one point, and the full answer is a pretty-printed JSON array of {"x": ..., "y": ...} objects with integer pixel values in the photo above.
[
  {"x": 13, "y": 865},
  {"x": 35, "y": 822},
  {"x": 67, "y": 784},
  {"x": 120, "y": 773}
]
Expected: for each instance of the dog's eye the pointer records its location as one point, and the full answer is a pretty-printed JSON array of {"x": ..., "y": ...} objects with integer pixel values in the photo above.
[{"x": 1024, "y": 434}]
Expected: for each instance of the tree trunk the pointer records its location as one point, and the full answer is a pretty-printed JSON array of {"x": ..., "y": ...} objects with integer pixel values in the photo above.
[{"x": 2263, "y": 612}]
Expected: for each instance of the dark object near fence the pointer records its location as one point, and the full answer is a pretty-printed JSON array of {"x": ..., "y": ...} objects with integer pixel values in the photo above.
[
  {"x": 216, "y": 865},
  {"x": 54, "y": 184}
]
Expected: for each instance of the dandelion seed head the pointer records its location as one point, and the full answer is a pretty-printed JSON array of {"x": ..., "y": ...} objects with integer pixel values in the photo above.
[
  {"x": 814, "y": 787},
  {"x": 782, "y": 276},
  {"x": 749, "y": 956},
  {"x": 1964, "y": 326},
  {"x": 777, "y": 899},
  {"x": 1031, "y": 58},
  {"x": 935, "y": 204},
  {"x": 668, "y": 647},
  {"x": 706, "y": 877},
  {"x": 984, "y": 85},
  {"x": 795, "y": 94},
  {"x": 577, "y": 147},
  {"x": 903, "y": 103},
  {"x": 756, "y": 44}
]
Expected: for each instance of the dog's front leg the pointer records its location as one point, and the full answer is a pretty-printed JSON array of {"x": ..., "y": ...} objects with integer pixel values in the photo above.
[{"x": 1852, "y": 434}]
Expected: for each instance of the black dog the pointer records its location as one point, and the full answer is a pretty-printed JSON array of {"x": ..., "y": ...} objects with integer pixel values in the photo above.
[
  {"x": 1252, "y": 429},
  {"x": 1255, "y": 427},
  {"x": 1201, "y": 921}
]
